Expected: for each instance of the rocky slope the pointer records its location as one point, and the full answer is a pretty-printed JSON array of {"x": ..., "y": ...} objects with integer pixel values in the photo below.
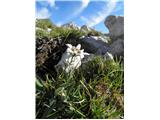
[{"x": 51, "y": 40}]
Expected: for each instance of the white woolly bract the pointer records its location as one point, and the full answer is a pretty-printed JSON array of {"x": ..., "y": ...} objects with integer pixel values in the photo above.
[{"x": 71, "y": 59}]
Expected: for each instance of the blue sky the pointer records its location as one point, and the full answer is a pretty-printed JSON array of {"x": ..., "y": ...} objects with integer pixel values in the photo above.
[{"x": 88, "y": 12}]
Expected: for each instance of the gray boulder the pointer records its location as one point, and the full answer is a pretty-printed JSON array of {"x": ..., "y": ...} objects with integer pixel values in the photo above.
[
  {"x": 95, "y": 45},
  {"x": 115, "y": 24},
  {"x": 117, "y": 48}
]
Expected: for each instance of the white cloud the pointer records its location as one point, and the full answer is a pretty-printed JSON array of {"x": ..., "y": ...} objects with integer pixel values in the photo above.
[
  {"x": 101, "y": 15},
  {"x": 51, "y": 3},
  {"x": 83, "y": 6},
  {"x": 42, "y": 13},
  {"x": 85, "y": 3}
]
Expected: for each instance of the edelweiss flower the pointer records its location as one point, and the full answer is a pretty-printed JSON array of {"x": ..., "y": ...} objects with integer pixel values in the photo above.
[{"x": 72, "y": 57}]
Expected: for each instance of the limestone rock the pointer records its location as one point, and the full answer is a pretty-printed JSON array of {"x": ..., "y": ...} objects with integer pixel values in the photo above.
[
  {"x": 95, "y": 45},
  {"x": 115, "y": 26},
  {"x": 85, "y": 28},
  {"x": 71, "y": 25},
  {"x": 117, "y": 48}
]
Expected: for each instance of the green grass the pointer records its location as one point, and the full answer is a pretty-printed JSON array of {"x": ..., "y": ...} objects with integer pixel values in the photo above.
[{"x": 93, "y": 91}]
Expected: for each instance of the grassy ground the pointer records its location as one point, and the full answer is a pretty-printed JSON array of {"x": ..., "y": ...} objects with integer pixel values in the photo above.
[{"x": 95, "y": 90}]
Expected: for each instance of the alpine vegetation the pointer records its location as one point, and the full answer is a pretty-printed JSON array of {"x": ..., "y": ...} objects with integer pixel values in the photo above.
[
  {"x": 79, "y": 73},
  {"x": 71, "y": 59}
]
